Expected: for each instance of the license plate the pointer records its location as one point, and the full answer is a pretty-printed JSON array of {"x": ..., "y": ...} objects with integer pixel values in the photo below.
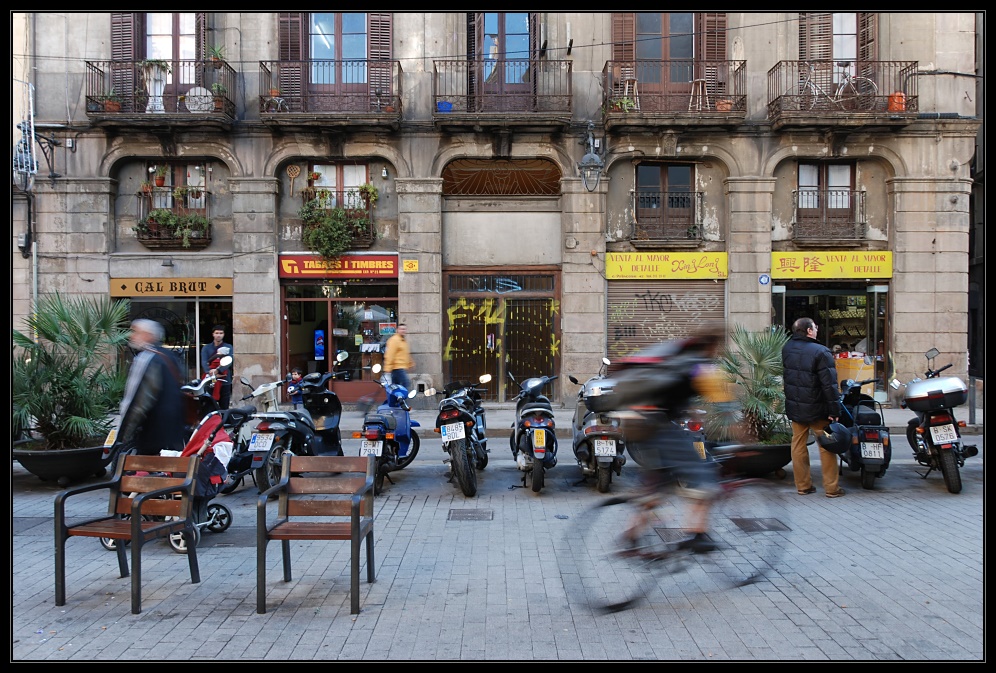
[
  {"x": 452, "y": 432},
  {"x": 539, "y": 438},
  {"x": 111, "y": 436},
  {"x": 261, "y": 442},
  {"x": 368, "y": 448},
  {"x": 943, "y": 434},
  {"x": 700, "y": 449},
  {"x": 872, "y": 450},
  {"x": 605, "y": 447}
]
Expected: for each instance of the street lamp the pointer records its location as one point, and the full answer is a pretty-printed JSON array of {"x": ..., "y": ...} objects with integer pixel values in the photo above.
[{"x": 591, "y": 164}]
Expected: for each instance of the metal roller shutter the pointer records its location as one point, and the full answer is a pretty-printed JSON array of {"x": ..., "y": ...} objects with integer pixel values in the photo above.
[{"x": 645, "y": 312}]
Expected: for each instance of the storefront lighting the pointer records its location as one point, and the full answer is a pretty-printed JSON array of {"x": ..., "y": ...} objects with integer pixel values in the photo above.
[{"x": 591, "y": 165}]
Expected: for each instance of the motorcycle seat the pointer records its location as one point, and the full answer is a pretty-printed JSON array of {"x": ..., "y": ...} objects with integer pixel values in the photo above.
[
  {"x": 389, "y": 421},
  {"x": 543, "y": 405}
]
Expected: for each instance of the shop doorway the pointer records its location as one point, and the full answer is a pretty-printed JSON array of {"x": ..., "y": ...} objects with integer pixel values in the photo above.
[
  {"x": 188, "y": 324},
  {"x": 498, "y": 323},
  {"x": 853, "y": 323}
]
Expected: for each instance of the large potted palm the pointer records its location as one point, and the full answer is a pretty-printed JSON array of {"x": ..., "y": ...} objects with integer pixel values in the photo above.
[
  {"x": 67, "y": 383},
  {"x": 753, "y": 364}
]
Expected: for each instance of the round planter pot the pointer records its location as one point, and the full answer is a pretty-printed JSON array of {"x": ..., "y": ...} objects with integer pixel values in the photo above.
[
  {"x": 755, "y": 460},
  {"x": 64, "y": 467}
]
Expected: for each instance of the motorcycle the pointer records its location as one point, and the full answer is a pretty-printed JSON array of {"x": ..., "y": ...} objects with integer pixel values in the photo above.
[
  {"x": 389, "y": 432},
  {"x": 534, "y": 438},
  {"x": 598, "y": 440},
  {"x": 871, "y": 448},
  {"x": 933, "y": 434},
  {"x": 311, "y": 431},
  {"x": 462, "y": 426}
]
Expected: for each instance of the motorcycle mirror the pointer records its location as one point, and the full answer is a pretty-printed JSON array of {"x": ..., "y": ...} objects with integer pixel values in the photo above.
[
  {"x": 485, "y": 378},
  {"x": 605, "y": 361},
  {"x": 932, "y": 353},
  {"x": 412, "y": 394},
  {"x": 429, "y": 392},
  {"x": 244, "y": 381},
  {"x": 341, "y": 356},
  {"x": 225, "y": 361},
  {"x": 573, "y": 379},
  {"x": 894, "y": 384},
  {"x": 376, "y": 368}
]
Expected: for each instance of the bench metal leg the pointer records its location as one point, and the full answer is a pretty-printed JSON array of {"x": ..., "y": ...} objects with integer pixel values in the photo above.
[
  {"x": 60, "y": 569},
  {"x": 370, "y": 557},
  {"x": 285, "y": 552},
  {"x": 136, "y": 575},
  {"x": 354, "y": 575},
  {"x": 261, "y": 576},
  {"x": 119, "y": 547},
  {"x": 195, "y": 571}
]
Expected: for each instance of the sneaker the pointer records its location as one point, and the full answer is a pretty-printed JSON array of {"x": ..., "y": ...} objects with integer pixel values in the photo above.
[
  {"x": 700, "y": 544},
  {"x": 839, "y": 493},
  {"x": 811, "y": 489}
]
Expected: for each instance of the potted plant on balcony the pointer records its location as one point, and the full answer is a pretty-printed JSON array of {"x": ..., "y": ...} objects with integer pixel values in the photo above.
[
  {"x": 146, "y": 187},
  {"x": 217, "y": 55},
  {"x": 66, "y": 385},
  {"x": 154, "y": 72},
  {"x": 369, "y": 194},
  {"x": 161, "y": 170},
  {"x": 623, "y": 104},
  {"x": 219, "y": 90},
  {"x": 326, "y": 231},
  {"x": 309, "y": 193},
  {"x": 180, "y": 194},
  {"x": 112, "y": 101}
]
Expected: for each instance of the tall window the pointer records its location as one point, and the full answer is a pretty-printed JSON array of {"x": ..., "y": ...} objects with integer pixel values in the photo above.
[
  {"x": 683, "y": 39},
  {"x": 340, "y": 183},
  {"x": 830, "y": 181},
  {"x": 838, "y": 36},
  {"x": 172, "y": 37},
  {"x": 337, "y": 36},
  {"x": 504, "y": 47}
]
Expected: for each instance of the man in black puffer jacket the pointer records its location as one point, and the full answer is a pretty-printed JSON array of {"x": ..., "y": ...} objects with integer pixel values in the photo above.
[{"x": 812, "y": 401}]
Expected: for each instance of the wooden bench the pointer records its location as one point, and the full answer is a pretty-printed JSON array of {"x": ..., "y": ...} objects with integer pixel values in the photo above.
[
  {"x": 155, "y": 503},
  {"x": 328, "y": 488}
]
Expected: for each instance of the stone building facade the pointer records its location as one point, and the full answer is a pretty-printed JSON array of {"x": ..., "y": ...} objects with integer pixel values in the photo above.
[{"x": 736, "y": 182}]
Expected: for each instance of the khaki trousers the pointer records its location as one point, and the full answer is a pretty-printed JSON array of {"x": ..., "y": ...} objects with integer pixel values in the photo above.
[{"x": 800, "y": 457}]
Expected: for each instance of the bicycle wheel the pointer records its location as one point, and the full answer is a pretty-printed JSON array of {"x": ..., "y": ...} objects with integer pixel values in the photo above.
[
  {"x": 808, "y": 96},
  {"x": 748, "y": 524},
  {"x": 623, "y": 570},
  {"x": 859, "y": 93}
]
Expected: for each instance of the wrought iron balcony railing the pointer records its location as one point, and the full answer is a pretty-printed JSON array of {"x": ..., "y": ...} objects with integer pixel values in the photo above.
[
  {"x": 174, "y": 218},
  {"x": 513, "y": 88},
  {"x": 330, "y": 87},
  {"x": 668, "y": 216},
  {"x": 876, "y": 91},
  {"x": 145, "y": 92},
  {"x": 356, "y": 210},
  {"x": 651, "y": 87},
  {"x": 829, "y": 215}
]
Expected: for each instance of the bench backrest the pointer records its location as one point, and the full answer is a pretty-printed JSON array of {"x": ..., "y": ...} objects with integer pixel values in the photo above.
[
  {"x": 325, "y": 485},
  {"x": 141, "y": 474}
]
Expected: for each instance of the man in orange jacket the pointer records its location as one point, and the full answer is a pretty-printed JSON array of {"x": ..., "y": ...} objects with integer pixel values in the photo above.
[{"x": 398, "y": 357}]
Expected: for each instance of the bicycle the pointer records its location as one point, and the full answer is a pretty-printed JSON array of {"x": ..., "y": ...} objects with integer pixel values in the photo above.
[
  {"x": 853, "y": 93},
  {"x": 747, "y": 526}
]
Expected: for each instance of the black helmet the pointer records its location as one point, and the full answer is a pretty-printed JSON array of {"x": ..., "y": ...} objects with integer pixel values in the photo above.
[{"x": 835, "y": 438}]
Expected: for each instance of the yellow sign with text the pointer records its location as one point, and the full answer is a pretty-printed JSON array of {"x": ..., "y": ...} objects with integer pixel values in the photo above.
[
  {"x": 832, "y": 264},
  {"x": 672, "y": 265},
  {"x": 171, "y": 287},
  {"x": 409, "y": 265}
]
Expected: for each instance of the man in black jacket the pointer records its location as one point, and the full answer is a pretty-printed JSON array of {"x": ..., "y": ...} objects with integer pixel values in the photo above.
[
  {"x": 812, "y": 401},
  {"x": 152, "y": 408}
]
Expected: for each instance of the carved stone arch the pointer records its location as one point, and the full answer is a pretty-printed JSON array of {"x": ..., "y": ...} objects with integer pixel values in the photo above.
[
  {"x": 882, "y": 153},
  {"x": 151, "y": 151}
]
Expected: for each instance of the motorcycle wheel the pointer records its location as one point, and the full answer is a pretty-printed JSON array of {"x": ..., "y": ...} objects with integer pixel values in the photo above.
[
  {"x": 220, "y": 518},
  {"x": 537, "y": 475},
  {"x": 868, "y": 478},
  {"x": 949, "y": 469},
  {"x": 412, "y": 452},
  {"x": 268, "y": 475},
  {"x": 482, "y": 462},
  {"x": 465, "y": 476},
  {"x": 231, "y": 485},
  {"x": 913, "y": 437},
  {"x": 604, "y": 477},
  {"x": 179, "y": 544}
]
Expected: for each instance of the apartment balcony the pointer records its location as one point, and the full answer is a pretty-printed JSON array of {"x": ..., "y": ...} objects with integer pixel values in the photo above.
[
  {"x": 842, "y": 94},
  {"x": 502, "y": 93},
  {"x": 648, "y": 93},
  {"x": 322, "y": 93},
  {"x": 667, "y": 219},
  {"x": 160, "y": 94},
  {"x": 174, "y": 218},
  {"x": 829, "y": 217}
]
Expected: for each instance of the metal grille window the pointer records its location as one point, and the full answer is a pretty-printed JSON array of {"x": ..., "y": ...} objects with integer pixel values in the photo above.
[{"x": 501, "y": 177}]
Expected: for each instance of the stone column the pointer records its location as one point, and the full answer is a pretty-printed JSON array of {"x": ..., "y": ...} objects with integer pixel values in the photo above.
[
  {"x": 748, "y": 302},
  {"x": 583, "y": 284},
  {"x": 420, "y": 293},
  {"x": 256, "y": 285}
]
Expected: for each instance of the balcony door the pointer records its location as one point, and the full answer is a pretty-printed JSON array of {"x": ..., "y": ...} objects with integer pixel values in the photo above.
[
  {"x": 825, "y": 199},
  {"x": 664, "y": 201},
  {"x": 504, "y": 52}
]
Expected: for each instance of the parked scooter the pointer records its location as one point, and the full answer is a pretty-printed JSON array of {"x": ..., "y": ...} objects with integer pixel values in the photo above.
[
  {"x": 534, "y": 438},
  {"x": 311, "y": 431},
  {"x": 462, "y": 426},
  {"x": 870, "y": 448},
  {"x": 933, "y": 434},
  {"x": 389, "y": 432},
  {"x": 598, "y": 440}
]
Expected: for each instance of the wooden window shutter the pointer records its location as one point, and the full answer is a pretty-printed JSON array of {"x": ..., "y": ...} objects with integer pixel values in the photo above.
[
  {"x": 815, "y": 36},
  {"x": 867, "y": 39},
  {"x": 379, "y": 33},
  {"x": 200, "y": 36},
  {"x": 474, "y": 20},
  {"x": 623, "y": 36},
  {"x": 291, "y": 51},
  {"x": 711, "y": 29},
  {"x": 126, "y": 34}
]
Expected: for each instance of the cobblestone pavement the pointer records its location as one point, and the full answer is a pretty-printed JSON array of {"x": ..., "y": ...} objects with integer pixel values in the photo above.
[{"x": 893, "y": 573}]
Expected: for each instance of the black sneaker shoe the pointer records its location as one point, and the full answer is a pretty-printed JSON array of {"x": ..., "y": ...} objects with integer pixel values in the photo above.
[{"x": 699, "y": 544}]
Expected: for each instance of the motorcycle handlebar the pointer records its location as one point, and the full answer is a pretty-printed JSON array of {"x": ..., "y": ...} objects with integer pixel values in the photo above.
[{"x": 935, "y": 372}]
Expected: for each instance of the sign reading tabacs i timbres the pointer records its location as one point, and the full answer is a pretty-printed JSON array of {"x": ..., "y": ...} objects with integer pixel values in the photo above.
[{"x": 347, "y": 266}]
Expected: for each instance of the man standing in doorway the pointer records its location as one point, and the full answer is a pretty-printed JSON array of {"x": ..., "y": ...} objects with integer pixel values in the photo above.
[
  {"x": 398, "y": 357},
  {"x": 211, "y": 352},
  {"x": 811, "y": 403}
]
